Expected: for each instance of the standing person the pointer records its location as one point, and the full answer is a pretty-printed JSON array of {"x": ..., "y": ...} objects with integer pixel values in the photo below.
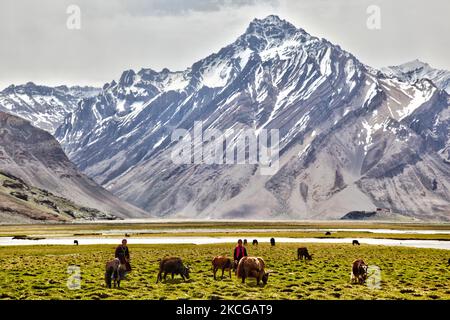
[
  {"x": 239, "y": 252},
  {"x": 123, "y": 254}
]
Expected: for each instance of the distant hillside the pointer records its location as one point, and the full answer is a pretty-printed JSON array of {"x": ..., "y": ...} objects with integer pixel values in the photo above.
[
  {"x": 21, "y": 203},
  {"x": 35, "y": 157}
]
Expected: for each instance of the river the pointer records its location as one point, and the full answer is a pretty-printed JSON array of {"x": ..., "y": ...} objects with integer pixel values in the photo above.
[{"x": 432, "y": 244}]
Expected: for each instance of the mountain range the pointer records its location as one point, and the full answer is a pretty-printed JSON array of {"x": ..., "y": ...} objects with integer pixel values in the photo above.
[
  {"x": 45, "y": 107},
  {"x": 352, "y": 138},
  {"x": 416, "y": 70}
]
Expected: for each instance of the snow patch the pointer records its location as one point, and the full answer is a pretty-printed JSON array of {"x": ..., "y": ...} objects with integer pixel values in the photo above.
[{"x": 418, "y": 99}]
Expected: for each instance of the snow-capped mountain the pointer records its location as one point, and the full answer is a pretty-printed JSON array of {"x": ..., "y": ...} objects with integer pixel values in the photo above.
[
  {"x": 45, "y": 107},
  {"x": 351, "y": 138},
  {"x": 34, "y": 158},
  {"x": 432, "y": 123},
  {"x": 149, "y": 104},
  {"x": 417, "y": 70}
]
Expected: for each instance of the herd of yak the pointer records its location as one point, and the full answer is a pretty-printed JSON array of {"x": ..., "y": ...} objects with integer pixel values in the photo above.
[{"x": 247, "y": 267}]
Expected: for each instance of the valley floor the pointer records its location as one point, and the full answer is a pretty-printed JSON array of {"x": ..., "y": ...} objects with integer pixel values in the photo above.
[
  {"x": 249, "y": 230},
  {"x": 41, "y": 272}
]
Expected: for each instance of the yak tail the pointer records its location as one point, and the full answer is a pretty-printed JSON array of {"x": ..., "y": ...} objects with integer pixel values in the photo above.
[{"x": 239, "y": 270}]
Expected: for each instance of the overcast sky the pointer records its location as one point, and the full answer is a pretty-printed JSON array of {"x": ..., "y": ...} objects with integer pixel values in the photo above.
[{"x": 115, "y": 35}]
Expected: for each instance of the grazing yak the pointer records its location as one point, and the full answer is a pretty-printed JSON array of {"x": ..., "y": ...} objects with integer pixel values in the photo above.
[
  {"x": 302, "y": 253},
  {"x": 272, "y": 241},
  {"x": 328, "y": 233},
  {"x": 255, "y": 242},
  {"x": 114, "y": 271},
  {"x": 75, "y": 242},
  {"x": 355, "y": 242},
  {"x": 224, "y": 263},
  {"x": 359, "y": 271},
  {"x": 252, "y": 267},
  {"x": 174, "y": 266}
]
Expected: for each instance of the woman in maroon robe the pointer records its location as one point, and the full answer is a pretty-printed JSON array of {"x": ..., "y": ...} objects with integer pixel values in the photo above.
[{"x": 123, "y": 254}]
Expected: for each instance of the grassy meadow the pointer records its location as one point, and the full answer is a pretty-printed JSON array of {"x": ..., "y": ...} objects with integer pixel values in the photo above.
[
  {"x": 40, "y": 272},
  {"x": 226, "y": 229}
]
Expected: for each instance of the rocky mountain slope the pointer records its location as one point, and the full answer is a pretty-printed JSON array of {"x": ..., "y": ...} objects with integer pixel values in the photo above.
[
  {"x": 35, "y": 157},
  {"x": 351, "y": 137},
  {"x": 45, "y": 107},
  {"x": 21, "y": 203},
  {"x": 416, "y": 70}
]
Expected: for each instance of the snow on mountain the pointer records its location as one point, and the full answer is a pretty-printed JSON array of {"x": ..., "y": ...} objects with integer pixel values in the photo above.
[
  {"x": 433, "y": 124},
  {"x": 351, "y": 138},
  {"x": 416, "y": 70},
  {"x": 45, "y": 107}
]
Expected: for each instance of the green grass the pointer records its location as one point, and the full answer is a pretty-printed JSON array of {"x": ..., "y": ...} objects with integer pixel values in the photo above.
[
  {"x": 249, "y": 235},
  {"x": 40, "y": 272},
  {"x": 293, "y": 229}
]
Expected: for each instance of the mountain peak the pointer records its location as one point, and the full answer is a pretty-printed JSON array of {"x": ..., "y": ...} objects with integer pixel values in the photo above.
[
  {"x": 261, "y": 32},
  {"x": 127, "y": 78},
  {"x": 414, "y": 65},
  {"x": 416, "y": 70},
  {"x": 270, "y": 23},
  {"x": 271, "y": 19}
]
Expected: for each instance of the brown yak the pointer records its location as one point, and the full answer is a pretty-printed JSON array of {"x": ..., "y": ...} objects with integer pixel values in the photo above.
[
  {"x": 302, "y": 253},
  {"x": 224, "y": 263},
  {"x": 252, "y": 267},
  {"x": 359, "y": 271},
  {"x": 173, "y": 265}
]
